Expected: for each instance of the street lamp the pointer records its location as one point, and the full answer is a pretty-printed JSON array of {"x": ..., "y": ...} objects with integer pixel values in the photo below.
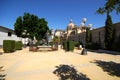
[
  {"x": 84, "y": 20},
  {"x": 84, "y": 51}
]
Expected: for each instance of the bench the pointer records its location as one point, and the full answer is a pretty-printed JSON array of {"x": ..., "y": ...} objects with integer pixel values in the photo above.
[{"x": 44, "y": 48}]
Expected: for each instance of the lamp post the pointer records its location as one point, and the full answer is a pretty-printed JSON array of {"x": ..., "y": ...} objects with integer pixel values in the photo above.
[
  {"x": 47, "y": 36},
  {"x": 84, "y": 51}
]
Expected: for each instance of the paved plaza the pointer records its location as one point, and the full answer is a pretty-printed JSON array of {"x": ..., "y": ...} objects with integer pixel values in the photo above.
[{"x": 26, "y": 65}]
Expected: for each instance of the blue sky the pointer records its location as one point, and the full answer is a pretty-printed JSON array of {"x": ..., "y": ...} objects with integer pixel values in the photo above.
[{"x": 57, "y": 12}]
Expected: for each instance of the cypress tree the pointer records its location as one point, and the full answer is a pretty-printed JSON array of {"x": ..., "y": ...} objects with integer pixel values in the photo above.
[
  {"x": 88, "y": 35},
  {"x": 108, "y": 32}
]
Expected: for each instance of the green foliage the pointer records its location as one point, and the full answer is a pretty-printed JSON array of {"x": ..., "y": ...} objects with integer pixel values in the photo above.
[
  {"x": 93, "y": 46},
  {"x": 35, "y": 26},
  {"x": 116, "y": 45},
  {"x": 8, "y": 46},
  {"x": 113, "y": 5},
  {"x": 109, "y": 6},
  {"x": 88, "y": 35},
  {"x": 18, "y": 45},
  {"x": 51, "y": 43},
  {"x": 101, "y": 11},
  {"x": 18, "y": 26},
  {"x": 108, "y": 33},
  {"x": 65, "y": 46},
  {"x": 70, "y": 45},
  {"x": 56, "y": 39},
  {"x": 77, "y": 44}
]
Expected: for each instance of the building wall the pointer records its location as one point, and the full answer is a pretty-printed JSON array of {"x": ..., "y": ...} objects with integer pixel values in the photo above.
[
  {"x": 81, "y": 37},
  {"x": 57, "y": 33},
  {"x": 77, "y": 37},
  {"x": 117, "y": 31},
  {"x": 4, "y": 36},
  {"x": 73, "y": 38},
  {"x": 97, "y": 35}
]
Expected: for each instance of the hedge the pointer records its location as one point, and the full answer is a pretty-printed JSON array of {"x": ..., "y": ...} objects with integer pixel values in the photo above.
[
  {"x": 116, "y": 45},
  {"x": 93, "y": 46},
  {"x": 76, "y": 44},
  {"x": 8, "y": 46},
  {"x": 18, "y": 45},
  {"x": 65, "y": 46},
  {"x": 68, "y": 46}
]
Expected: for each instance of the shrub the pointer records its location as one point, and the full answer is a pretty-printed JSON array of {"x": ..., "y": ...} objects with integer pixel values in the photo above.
[
  {"x": 8, "y": 46},
  {"x": 51, "y": 43},
  {"x": 76, "y": 44},
  {"x": 18, "y": 45},
  {"x": 93, "y": 46},
  {"x": 116, "y": 45},
  {"x": 70, "y": 45},
  {"x": 65, "y": 46}
]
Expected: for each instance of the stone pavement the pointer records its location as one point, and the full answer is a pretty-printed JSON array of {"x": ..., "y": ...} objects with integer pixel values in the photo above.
[{"x": 25, "y": 65}]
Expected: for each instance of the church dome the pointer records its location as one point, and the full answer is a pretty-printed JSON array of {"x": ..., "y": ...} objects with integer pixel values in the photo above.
[{"x": 70, "y": 25}]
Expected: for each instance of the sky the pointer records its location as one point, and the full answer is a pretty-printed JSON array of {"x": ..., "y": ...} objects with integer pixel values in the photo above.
[{"x": 56, "y": 12}]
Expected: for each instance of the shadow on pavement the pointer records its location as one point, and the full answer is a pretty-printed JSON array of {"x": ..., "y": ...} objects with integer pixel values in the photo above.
[
  {"x": 111, "y": 68},
  {"x": 100, "y": 51},
  {"x": 1, "y": 53},
  {"x": 2, "y": 76},
  {"x": 66, "y": 72}
]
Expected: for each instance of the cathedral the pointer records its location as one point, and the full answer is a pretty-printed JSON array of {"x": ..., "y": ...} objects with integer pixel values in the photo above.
[
  {"x": 73, "y": 29},
  {"x": 77, "y": 33},
  {"x": 71, "y": 32}
]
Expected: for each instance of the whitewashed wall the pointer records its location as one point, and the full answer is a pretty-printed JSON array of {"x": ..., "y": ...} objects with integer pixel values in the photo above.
[{"x": 4, "y": 36}]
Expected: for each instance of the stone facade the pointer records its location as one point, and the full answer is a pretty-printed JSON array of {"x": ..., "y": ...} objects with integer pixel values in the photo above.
[
  {"x": 72, "y": 32},
  {"x": 58, "y": 33},
  {"x": 117, "y": 31},
  {"x": 97, "y": 35},
  {"x": 77, "y": 33}
]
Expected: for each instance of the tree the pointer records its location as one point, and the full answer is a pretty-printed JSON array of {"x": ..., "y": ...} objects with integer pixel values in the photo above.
[
  {"x": 108, "y": 33},
  {"x": 18, "y": 26},
  {"x": 113, "y": 5},
  {"x": 32, "y": 24},
  {"x": 88, "y": 35},
  {"x": 109, "y": 6},
  {"x": 56, "y": 39},
  {"x": 42, "y": 27}
]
